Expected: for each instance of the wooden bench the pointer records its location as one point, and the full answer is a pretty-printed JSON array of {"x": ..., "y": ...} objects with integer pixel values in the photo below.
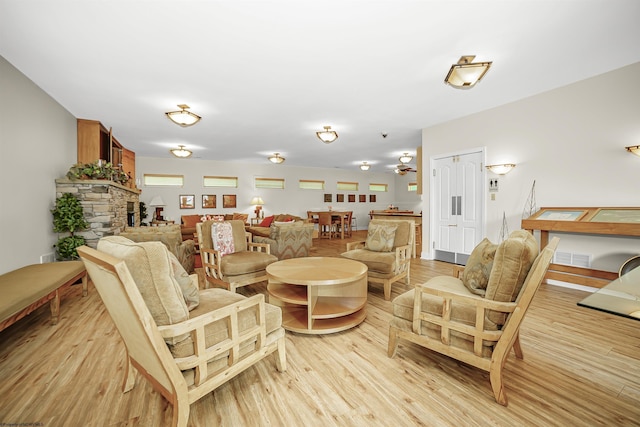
[{"x": 28, "y": 288}]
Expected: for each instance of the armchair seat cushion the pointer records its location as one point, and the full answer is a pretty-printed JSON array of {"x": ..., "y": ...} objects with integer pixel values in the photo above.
[
  {"x": 216, "y": 332},
  {"x": 382, "y": 263},
  {"x": 245, "y": 262},
  {"x": 463, "y": 313}
]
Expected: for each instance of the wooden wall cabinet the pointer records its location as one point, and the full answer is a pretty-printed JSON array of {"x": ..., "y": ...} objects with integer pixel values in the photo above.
[{"x": 96, "y": 142}]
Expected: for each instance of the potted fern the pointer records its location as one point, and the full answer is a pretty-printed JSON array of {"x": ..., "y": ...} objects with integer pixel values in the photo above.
[{"x": 68, "y": 217}]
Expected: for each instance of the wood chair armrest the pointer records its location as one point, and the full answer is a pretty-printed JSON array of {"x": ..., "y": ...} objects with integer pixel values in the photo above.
[
  {"x": 230, "y": 345},
  {"x": 355, "y": 245},
  {"x": 403, "y": 258},
  {"x": 211, "y": 262},
  {"x": 471, "y": 299},
  {"x": 458, "y": 270},
  {"x": 259, "y": 247}
]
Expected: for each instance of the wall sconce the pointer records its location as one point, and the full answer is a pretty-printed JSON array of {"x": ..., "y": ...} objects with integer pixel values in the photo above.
[
  {"x": 502, "y": 169},
  {"x": 327, "y": 135},
  {"x": 181, "y": 152},
  {"x": 465, "y": 74},
  {"x": 634, "y": 149},
  {"x": 257, "y": 202},
  {"x": 183, "y": 117},
  {"x": 365, "y": 166},
  {"x": 276, "y": 158}
]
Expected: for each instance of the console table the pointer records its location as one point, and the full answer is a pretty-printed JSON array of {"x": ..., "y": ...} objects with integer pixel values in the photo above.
[
  {"x": 318, "y": 295},
  {"x": 624, "y": 221}
]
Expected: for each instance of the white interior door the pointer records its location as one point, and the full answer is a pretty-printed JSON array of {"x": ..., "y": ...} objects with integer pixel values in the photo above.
[{"x": 457, "y": 201}]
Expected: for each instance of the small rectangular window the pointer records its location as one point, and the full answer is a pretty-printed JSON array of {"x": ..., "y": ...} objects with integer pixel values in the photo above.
[
  {"x": 378, "y": 187},
  {"x": 277, "y": 183},
  {"x": 309, "y": 184},
  {"x": 220, "y": 181},
  {"x": 162, "y": 180},
  {"x": 347, "y": 186},
  {"x": 412, "y": 186}
]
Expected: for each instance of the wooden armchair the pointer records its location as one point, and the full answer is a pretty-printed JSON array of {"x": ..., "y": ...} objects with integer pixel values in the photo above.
[
  {"x": 246, "y": 264},
  {"x": 445, "y": 316},
  {"x": 184, "y": 354},
  {"x": 386, "y": 252}
]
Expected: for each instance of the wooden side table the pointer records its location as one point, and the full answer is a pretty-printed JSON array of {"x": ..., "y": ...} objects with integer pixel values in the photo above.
[{"x": 318, "y": 295}]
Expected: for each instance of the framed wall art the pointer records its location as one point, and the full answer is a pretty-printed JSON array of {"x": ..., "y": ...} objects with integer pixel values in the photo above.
[
  {"x": 327, "y": 198},
  {"x": 352, "y": 198},
  {"x": 362, "y": 198},
  {"x": 339, "y": 198},
  {"x": 372, "y": 198},
  {"x": 229, "y": 201},
  {"x": 187, "y": 201},
  {"x": 208, "y": 201}
]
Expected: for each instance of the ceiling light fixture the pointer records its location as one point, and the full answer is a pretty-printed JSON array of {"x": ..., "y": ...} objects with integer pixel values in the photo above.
[
  {"x": 465, "y": 74},
  {"x": 183, "y": 117},
  {"x": 405, "y": 158},
  {"x": 502, "y": 169},
  {"x": 181, "y": 152},
  {"x": 365, "y": 166},
  {"x": 634, "y": 149},
  {"x": 327, "y": 135},
  {"x": 276, "y": 158}
]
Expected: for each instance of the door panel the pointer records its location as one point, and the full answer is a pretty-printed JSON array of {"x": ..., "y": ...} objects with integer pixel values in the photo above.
[{"x": 458, "y": 199}]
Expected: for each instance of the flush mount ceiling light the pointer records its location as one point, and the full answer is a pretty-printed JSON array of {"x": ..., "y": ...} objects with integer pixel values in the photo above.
[
  {"x": 365, "y": 166},
  {"x": 405, "y": 158},
  {"x": 183, "y": 117},
  {"x": 327, "y": 135},
  {"x": 502, "y": 169},
  {"x": 634, "y": 149},
  {"x": 465, "y": 74},
  {"x": 276, "y": 158},
  {"x": 181, "y": 152}
]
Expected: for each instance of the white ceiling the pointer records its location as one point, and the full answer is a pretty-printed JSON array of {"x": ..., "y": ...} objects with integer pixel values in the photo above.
[{"x": 266, "y": 75}]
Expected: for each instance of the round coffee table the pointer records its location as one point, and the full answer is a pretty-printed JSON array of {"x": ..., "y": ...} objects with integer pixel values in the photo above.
[{"x": 318, "y": 295}]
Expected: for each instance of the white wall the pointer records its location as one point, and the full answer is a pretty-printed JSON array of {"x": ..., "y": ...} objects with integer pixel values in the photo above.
[
  {"x": 291, "y": 200},
  {"x": 37, "y": 145},
  {"x": 571, "y": 142}
]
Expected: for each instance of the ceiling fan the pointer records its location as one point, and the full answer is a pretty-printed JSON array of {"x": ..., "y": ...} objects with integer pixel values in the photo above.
[{"x": 403, "y": 168}]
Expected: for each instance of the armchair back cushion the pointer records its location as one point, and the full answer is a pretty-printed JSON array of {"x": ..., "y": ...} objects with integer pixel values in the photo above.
[
  {"x": 171, "y": 236},
  {"x": 403, "y": 235},
  {"x": 381, "y": 237},
  {"x": 150, "y": 268},
  {"x": 478, "y": 269},
  {"x": 237, "y": 228},
  {"x": 513, "y": 260},
  {"x": 288, "y": 240}
]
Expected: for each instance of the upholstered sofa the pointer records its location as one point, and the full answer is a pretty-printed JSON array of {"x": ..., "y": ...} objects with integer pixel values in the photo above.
[
  {"x": 188, "y": 222},
  {"x": 171, "y": 236},
  {"x": 264, "y": 228},
  {"x": 288, "y": 240}
]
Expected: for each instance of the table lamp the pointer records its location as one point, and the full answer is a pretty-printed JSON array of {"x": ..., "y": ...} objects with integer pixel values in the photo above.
[
  {"x": 257, "y": 202},
  {"x": 158, "y": 203}
]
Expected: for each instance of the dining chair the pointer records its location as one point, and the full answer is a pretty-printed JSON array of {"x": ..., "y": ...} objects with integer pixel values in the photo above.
[{"x": 326, "y": 227}]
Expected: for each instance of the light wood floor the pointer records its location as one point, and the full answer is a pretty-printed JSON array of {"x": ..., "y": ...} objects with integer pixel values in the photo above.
[{"x": 581, "y": 367}]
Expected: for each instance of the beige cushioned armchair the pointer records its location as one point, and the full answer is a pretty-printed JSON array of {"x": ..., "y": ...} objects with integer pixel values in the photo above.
[
  {"x": 246, "y": 265},
  {"x": 289, "y": 240},
  {"x": 448, "y": 315},
  {"x": 386, "y": 252},
  {"x": 184, "y": 350}
]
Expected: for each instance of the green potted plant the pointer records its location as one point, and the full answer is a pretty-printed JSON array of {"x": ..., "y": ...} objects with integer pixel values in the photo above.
[
  {"x": 97, "y": 170},
  {"x": 68, "y": 217},
  {"x": 143, "y": 214}
]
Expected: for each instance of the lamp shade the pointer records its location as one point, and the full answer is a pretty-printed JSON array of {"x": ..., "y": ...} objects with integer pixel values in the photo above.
[
  {"x": 327, "y": 135},
  {"x": 501, "y": 169},
  {"x": 183, "y": 117},
  {"x": 257, "y": 200},
  {"x": 465, "y": 74},
  {"x": 276, "y": 158},
  {"x": 181, "y": 152},
  {"x": 635, "y": 149},
  {"x": 156, "y": 201},
  {"x": 405, "y": 158}
]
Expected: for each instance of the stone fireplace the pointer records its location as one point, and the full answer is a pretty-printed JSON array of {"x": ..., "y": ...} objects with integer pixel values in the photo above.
[{"x": 108, "y": 207}]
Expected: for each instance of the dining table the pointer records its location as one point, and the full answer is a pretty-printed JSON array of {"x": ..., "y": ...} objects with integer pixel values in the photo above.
[{"x": 337, "y": 215}]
